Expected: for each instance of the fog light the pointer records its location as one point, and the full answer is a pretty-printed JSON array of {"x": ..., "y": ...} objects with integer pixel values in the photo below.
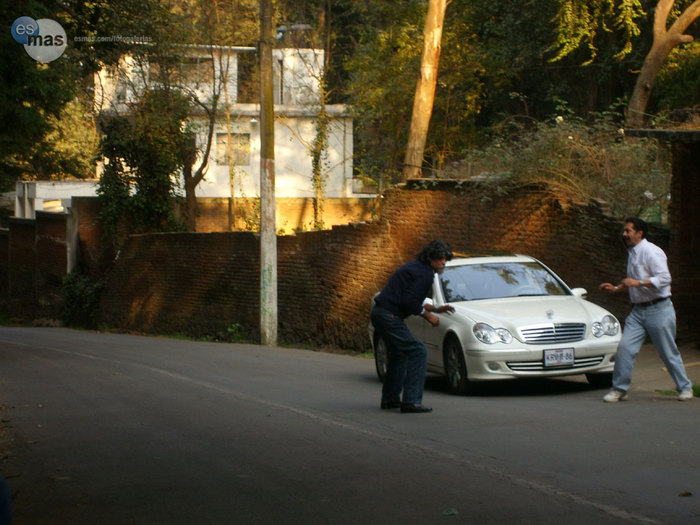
[{"x": 493, "y": 366}]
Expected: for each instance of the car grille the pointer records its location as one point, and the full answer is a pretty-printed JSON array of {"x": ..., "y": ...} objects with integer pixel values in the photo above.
[
  {"x": 536, "y": 366},
  {"x": 547, "y": 334}
]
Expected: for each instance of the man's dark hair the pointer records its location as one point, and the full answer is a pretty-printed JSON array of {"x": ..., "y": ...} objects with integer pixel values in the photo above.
[
  {"x": 639, "y": 225},
  {"x": 436, "y": 250}
]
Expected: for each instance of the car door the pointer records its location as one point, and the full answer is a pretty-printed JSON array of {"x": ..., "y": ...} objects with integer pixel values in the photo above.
[{"x": 431, "y": 336}]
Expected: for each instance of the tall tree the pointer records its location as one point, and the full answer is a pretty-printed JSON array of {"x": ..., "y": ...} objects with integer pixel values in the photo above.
[
  {"x": 425, "y": 89},
  {"x": 665, "y": 39},
  {"x": 580, "y": 21}
]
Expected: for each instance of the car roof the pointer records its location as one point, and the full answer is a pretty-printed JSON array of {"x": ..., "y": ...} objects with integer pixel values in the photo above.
[{"x": 487, "y": 257}]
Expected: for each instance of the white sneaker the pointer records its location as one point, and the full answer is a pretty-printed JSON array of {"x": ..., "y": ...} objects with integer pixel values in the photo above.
[
  {"x": 686, "y": 395},
  {"x": 614, "y": 396}
]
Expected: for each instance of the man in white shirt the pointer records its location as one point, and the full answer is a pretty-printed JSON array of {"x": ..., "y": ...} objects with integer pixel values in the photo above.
[{"x": 648, "y": 282}]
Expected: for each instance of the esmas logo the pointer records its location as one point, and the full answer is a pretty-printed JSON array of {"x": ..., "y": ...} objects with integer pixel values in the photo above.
[{"x": 44, "y": 40}]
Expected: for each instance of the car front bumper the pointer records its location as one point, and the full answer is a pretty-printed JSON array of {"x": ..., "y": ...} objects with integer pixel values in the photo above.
[{"x": 484, "y": 365}]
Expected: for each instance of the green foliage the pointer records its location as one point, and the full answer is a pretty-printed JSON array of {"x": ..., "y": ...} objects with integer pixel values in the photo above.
[
  {"x": 579, "y": 162},
  {"x": 495, "y": 61},
  {"x": 678, "y": 84},
  {"x": 249, "y": 210},
  {"x": 383, "y": 73},
  {"x": 30, "y": 94},
  {"x": 43, "y": 137},
  {"x": 81, "y": 296},
  {"x": 144, "y": 150},
  {"x": 581, "y": 21},
  {"x": 69, "y": 149},
  {"x": 235, "y": 333}
]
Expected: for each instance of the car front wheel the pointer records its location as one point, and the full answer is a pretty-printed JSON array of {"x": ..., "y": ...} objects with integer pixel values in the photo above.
[
  {"x": 455, "y": 367},
  {"x": 381, "y": 357}
]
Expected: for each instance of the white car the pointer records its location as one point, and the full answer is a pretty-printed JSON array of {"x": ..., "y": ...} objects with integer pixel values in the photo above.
[{"x": 513, "y": 318}]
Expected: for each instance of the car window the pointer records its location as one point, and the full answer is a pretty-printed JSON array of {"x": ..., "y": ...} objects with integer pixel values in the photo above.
[{"x": 471, "y": 282}]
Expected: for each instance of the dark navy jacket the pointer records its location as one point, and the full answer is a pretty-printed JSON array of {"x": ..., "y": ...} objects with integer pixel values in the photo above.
[{"x": 406, "y": 290}]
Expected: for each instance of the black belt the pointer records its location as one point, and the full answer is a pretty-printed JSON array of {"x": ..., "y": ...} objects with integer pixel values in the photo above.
[{"x": 652, "y": 302}]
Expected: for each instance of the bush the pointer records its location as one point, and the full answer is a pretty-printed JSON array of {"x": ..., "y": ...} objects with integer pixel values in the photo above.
[
  {"x": 81, "y": 296},
  {"x": 580, "y": 161}
]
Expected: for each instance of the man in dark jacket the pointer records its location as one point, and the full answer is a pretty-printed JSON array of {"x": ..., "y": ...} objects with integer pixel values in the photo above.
[{"x": 404, "y": 295}]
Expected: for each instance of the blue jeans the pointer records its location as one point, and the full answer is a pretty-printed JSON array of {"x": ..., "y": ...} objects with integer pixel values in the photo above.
[
  {"x": 407, "y": 358},
  {"x": 658, "y": 321}
]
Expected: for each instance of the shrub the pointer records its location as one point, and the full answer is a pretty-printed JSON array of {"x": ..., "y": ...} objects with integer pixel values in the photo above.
[
  {"x": 81, "y": 296},
  {"x": 580, "y": 161}
]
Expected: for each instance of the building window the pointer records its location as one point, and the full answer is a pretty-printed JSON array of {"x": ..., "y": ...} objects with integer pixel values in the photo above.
[{"x": 240, "y": 149}]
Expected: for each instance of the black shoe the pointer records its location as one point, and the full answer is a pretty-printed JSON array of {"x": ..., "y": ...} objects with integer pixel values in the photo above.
[
  {"x": 410, "y": 408},
  {"x": 386, "y": 405}
]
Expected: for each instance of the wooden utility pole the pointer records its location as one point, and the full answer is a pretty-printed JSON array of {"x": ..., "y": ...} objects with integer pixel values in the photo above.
[
  {"x": 425, "y": 90},
  {"x": 268, "y": 233}
]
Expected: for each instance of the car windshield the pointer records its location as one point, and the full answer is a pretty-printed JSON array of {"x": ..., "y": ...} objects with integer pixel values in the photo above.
[{"x": 493, "y": 280}]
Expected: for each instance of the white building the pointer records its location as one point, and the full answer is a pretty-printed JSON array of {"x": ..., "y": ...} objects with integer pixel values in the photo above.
[{"x": 296, "y": 96}]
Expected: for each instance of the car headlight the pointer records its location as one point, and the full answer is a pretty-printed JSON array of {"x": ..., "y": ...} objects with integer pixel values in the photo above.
[
  {"x": 489, "y": 335},
  {"x": 607, "y": 326}
]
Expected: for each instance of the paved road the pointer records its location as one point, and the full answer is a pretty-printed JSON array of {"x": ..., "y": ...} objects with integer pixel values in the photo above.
[{"x": 121, "y": 429}]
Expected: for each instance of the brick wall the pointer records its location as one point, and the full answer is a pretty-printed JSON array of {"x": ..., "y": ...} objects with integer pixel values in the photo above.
[
  {"x": 684, "y": 215},
  {"x": 94, "y": 255},
  {"x": 292, "y": 214},
  {"x": 21, "y": 270},
  {"x": 193, "y": 283},
  {"x": 201, "y": 284},
  {"x": 51, "y": 258}
]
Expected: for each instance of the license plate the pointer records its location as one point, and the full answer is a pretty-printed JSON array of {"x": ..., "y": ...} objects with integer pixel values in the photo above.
[{"x": 559, "y": 357}]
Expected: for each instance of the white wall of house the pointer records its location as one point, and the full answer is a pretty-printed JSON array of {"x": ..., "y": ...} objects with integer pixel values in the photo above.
[
  {"x": 296, "y": 77},
  {"x": 294, "y": 134},
  {"x": 117, "y": 87}
]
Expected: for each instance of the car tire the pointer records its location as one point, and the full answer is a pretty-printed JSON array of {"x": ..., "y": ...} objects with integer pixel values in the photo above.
[
  {"x": 381, "y": 357},
  {"x": 455, "y": 367},
  {"x": 603, "y": 380}
]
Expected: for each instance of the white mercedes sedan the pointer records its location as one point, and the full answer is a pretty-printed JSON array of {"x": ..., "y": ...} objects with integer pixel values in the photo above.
[{"x": 513, "y": 318}]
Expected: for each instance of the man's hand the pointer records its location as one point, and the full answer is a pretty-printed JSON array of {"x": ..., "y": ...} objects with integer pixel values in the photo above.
[
  {"x": 434, "y": 319},
  {"x": 611, "y": 288},
  {"x": 445, "y": 308}
]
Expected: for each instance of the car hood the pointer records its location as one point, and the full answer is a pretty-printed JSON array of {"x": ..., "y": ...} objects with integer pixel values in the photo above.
[{"x": 516, "y": 312}]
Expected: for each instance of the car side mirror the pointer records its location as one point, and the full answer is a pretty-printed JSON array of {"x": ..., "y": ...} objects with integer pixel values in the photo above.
[{"x": 580, "y": 292}]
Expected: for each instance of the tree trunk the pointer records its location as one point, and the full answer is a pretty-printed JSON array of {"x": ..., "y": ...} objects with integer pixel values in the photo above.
[
  {"x": 189, "y": 157},
  {"x": 425, "y": 89},
  {"x": 190, "y": 205},
  {"x": 664, "y": 42}
]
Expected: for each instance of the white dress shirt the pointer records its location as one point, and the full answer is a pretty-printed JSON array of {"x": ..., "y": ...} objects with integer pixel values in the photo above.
[{"x": 647, "y": 262}]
